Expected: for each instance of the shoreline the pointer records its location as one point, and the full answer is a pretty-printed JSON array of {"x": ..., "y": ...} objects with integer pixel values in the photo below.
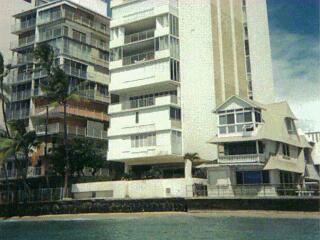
[{"x": 208, "y": 213}]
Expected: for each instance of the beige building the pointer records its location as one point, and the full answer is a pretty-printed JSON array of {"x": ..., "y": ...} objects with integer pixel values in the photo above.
[{"x": 259, "y": 150}]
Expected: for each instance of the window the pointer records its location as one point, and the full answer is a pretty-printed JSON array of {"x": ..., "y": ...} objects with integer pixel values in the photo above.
[
  {"x": 174, "y": 25},
  {"x": 290, "y": 125},
  {"x": 252, "y": 177},
  {"x": 103, "y": 27},
  {"x": 137, "y": 117},
  {"x": 116, "y": 54},
  {"x": 247, "y": 117},
  {"x": 247, "y": 50},
  {"x": 162, "y": 43},
  {"x": 257, "y": 115},
  {"x": 174, "y": 70},
  {"x": 175, "y": 113},
  {"x": 143, "y": 140},
  {"x": 285, "y": 150},
  {"x": 248, "y": 64},
  {"x": 104, "y": 55},
  {"x": 174, "y": 47},
  {"x": 79, "y": 36}
]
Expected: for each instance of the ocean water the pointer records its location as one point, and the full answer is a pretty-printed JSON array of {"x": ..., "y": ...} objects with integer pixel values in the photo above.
[{"x": 171, "y": 227}]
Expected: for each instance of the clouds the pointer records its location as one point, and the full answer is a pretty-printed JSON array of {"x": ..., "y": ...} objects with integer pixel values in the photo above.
[{"x": 297, "y": 76}]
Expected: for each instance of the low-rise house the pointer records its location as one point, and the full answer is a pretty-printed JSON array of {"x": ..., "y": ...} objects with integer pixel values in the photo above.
[{"x": 260, "y": 152}]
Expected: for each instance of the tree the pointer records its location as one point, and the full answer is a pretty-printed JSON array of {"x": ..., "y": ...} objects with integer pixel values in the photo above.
[
  {"x": 20, "y": 145},
  {"x": 57, "y": 92},
  {"x": 83, "y": 153}
]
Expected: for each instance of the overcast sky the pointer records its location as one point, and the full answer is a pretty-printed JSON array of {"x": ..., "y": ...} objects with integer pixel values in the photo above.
[{"x": 294, "y": 31}]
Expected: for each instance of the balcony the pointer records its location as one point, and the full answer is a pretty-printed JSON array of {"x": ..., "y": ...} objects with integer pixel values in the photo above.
[
  {"x": 58, "y": 128},
  {"x": 25, "y": 58},
  {"x": 47, "y": 19},
  {"x": 21, "y": 95},
  {"x": 75, "y": 72},
  {"x": 144, "y": 103},
  {"x": 19, "y": 78},
  {"x": 72, "y": 110},
  {"x": 13, "y": 173},
  {"x": 154, "y": 75},
  {"x": 23, "y": 26},
  {"x": 16, "y": 115},
  {"x": 140, "y": 36},
  {"x": 21, "y": 43},
  {"x": 138, "y": 58},
  {"x": 95, "y": 96},
  {"x": 242, "y": 159}
]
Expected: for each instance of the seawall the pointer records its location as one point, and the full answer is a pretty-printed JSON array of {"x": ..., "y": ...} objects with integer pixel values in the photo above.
[{"x": 157, "y": 205}]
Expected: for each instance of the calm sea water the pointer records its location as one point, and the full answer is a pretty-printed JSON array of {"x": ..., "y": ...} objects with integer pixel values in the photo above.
[{"x": 163, "y": 227}]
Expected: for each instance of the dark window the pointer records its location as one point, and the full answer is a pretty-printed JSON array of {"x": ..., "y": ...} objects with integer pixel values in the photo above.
[
  {"x": 257, "y": 116},
  {"x": 137, "y": 117},
  {"x": 252, "y": 177},
  {"x": 175, "y": 113},
  {"x": 286, "y": 150},
  {"x": 230, "y": 118},
  {"x": 247, "y": 117},
  {"x": 246, "y": 44}
]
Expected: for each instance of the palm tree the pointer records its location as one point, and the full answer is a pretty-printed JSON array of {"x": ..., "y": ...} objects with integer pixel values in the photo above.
[
  {"x": 20, "y": 145},
  {"x": 190, "y": 158},
  {"x": 57, "y": 92}
]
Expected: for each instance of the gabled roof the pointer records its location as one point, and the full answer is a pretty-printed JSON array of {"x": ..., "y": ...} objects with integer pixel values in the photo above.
[
  {"x": 273, "y": 127},
  {"x": 244, "y": 100}
]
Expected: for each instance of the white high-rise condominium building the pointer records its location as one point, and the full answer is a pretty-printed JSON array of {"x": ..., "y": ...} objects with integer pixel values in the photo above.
[{"x": 172, "y": 62}]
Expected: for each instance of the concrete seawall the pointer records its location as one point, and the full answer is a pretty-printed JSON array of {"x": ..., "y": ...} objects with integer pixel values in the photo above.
[{"x": 157, "y": 205}]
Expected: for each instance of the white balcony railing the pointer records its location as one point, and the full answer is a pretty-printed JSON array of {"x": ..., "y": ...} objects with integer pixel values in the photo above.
[
  {"x": 140, "y": 36},
  {"x": 139, "y": 58},
  {"x": 145, "y": 102},
  {"x": 244, "y": 158}
]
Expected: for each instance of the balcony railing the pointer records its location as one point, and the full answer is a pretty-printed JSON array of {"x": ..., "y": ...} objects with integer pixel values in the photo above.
[
  {"x": 13, "y": 173},
  {"x": 140, "y": 36},
  {"x": 244, "y": 158},
  {"x": 50, "y": 18},
  {"x": 20, "y": 114},
  {"x": 74, "y": 110},
  {"x": 23, "y": 26},
  {"x": 21, "y": 95},
  {"x": 56, "y": 128},
  {"x": 75, "y": 72},
  {"x": 25, "y": 58},
  {"x": 139, "y": 58},
  {"x": 151, "y": 101},
  {"x": 23, "y": 42}
]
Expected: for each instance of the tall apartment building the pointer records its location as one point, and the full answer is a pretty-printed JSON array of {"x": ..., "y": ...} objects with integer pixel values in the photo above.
[
  {"x": 9, "y": 8},
  {"x": 80, "y": 38},
  {"x": 172, "y": 62}
]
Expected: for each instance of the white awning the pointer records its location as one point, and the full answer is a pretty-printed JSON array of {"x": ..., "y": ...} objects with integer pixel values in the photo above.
[
  {"x": 292, "y": 165},
  {"x": 311, "y": 173}
]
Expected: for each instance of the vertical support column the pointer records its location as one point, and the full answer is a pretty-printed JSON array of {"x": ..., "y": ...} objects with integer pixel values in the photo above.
[
  {"x": 127, "y": 168},
  {"x": 188, "y": 169}
]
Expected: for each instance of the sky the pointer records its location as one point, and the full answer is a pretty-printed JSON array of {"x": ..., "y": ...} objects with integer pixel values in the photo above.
[{"x": 295, "y": 45}]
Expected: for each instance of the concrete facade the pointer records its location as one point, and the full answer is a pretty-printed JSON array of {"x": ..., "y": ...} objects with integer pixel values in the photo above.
[{"x": 181, "y": 58}]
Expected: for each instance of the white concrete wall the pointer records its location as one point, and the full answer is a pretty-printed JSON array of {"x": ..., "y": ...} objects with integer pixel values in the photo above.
[
  {"x": 98, "y": 6},
  {"x": 260, "y": 51},
  {"x": 140, "y": 189},
  {"x": 197, "y": 77},
  {"x": 120, "y": 148},
  {"x": 140, "y": 75}
]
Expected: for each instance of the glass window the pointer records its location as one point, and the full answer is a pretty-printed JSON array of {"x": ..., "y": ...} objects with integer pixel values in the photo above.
[
  {"x": 230, "y": 118},
  {"x": 240, "y": 117},
  {"x": 286, "y": 150},
  {"x": 231, "y": 129},
  {"x": 247, "y": 117},
  {"x": 252, "y": 177},
  {"x": 257, "y": 116},
  {"x": 222, "y": 130},
  {"x": 223, "y": 120}
]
